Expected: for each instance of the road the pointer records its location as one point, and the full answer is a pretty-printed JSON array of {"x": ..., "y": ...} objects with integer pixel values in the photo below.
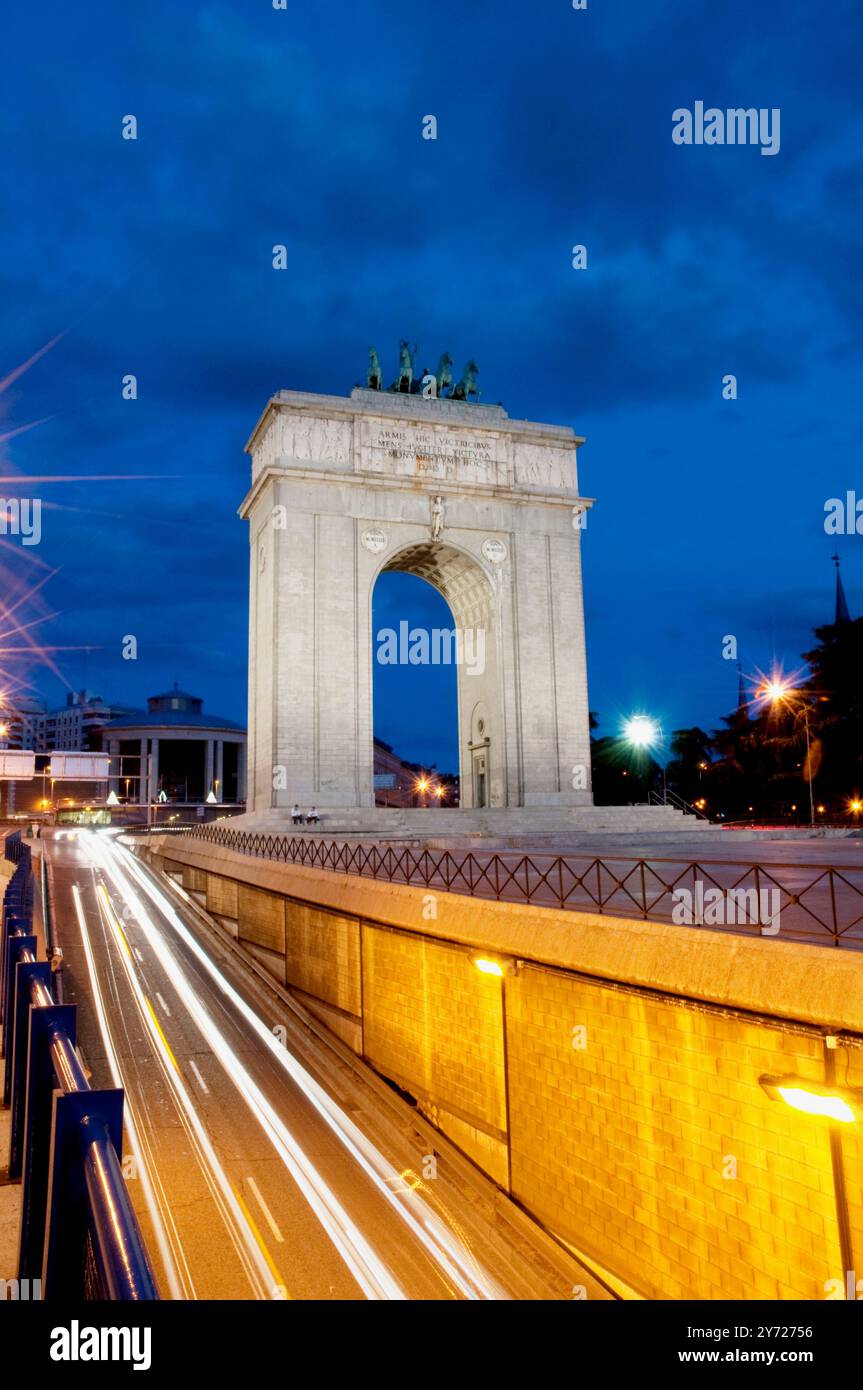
[{"x": 262, "y": 1164}]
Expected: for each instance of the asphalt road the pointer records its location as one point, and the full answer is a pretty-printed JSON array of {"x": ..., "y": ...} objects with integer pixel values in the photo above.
[{"x": 261, "y": 1163}]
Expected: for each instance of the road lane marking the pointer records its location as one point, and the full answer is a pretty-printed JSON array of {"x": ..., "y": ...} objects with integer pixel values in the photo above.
[
  {"x": 198, "y": 1077},
  {"x": 162, "y": 1004},
  {"x": 239, "y": 1231},
  {"x": 371, "y": 1273},
  {"x": 453, "y": 1259},
  {"x": 102, "y": 892},
  {"x": 166, "y": 1246},
  {"x": 280, "y": 1283},
  {"x": 165, "y": 1042},
  {"x": 266, "y": 1210}
]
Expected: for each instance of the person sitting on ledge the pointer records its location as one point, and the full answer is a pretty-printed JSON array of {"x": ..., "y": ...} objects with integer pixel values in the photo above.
[
  {"x": 297, "y": 815},
  {"x": 312, "y": 818}
]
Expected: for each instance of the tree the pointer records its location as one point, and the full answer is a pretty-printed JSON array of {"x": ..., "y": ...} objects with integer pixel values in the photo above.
[{"x": 691, "y": 751}]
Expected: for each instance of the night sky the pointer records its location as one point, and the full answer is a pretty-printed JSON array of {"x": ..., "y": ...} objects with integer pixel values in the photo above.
[{"x": 303, "y": 127}]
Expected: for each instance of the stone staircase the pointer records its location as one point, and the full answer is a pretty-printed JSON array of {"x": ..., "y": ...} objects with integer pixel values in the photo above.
[{"x": 499, "y": 823}]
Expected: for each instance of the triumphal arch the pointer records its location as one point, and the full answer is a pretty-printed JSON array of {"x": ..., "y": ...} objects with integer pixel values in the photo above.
[{"x": 485, "y": 508}]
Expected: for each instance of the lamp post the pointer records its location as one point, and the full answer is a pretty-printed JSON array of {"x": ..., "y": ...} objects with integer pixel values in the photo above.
[
  {"x": 839, "y": 1106},
  {"x": 781, "y": 695},
  {"x": 809, "y": 766}
]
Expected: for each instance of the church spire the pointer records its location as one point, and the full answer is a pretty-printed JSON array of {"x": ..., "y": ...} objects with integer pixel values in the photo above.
[
  {"x": 842, "y": 613},
  {"x": 741, "y": 691}
]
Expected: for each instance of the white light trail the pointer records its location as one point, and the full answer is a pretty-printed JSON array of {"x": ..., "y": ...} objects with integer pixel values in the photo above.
[
  {"x": 177, "y": 1283},
  {"x": 456, "y": 1261},
  {"x": 366, "y": 1266},
  {"x": 251, "y": 1256}
]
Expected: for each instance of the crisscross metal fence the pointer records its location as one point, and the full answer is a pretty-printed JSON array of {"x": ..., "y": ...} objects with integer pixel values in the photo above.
[{"x": 821, "y": 904}]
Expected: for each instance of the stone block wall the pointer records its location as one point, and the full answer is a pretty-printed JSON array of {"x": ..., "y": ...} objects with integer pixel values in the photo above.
[{"x": 613, "y": 1097}]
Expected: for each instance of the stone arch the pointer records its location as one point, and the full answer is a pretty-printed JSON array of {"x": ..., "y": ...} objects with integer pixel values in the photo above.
[{"x": 475, "y": 503}]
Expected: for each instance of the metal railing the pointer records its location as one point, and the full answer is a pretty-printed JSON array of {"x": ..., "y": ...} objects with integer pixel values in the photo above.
[
  {"x": 669, "y": 798},
  {"x": 79, "y": 1233},
  {"x": 816, "y": 903}
]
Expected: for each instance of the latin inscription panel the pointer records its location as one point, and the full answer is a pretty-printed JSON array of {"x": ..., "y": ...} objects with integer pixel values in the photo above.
[{"x": 431, "y": 451}]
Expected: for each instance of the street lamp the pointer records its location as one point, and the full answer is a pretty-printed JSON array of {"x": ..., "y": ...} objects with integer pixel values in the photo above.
[
  {"x": 837, "y": 1105},
  {"x": 489, "y": 967},
  {"x": 781, "y": 694},
  {"x": 840, "y": 1104},
  {"x": 642, "y": 732}
]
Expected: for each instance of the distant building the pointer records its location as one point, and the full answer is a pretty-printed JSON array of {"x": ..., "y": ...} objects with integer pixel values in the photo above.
[
  {"x": 176, "y": 748},
  {"x": 172, "y": 751},
  {"x": 396, "y": 780},
  {"x": 77, "y": 726},
  {"x": 21, "y": 717}
]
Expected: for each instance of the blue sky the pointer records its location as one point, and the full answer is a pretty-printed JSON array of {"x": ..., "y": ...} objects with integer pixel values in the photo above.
[{"x": 259, "y": 126}]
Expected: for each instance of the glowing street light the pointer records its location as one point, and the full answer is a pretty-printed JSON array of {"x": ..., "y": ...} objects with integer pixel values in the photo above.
[
  {"x": 642, "y": 732},
  {"x": 489, "y": 967},
  {"x": 839, "y": 1104},
  {"x": 781, "y": 693}
]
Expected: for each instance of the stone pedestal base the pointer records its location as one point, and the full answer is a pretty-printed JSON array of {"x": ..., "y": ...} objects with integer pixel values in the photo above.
[{"x": 382, "y": 823}]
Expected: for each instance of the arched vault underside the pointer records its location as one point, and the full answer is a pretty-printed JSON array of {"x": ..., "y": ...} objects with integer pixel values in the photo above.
[{"x": 456, "y": 575}]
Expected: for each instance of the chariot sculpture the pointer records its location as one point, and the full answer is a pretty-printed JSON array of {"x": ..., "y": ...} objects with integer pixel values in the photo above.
[{"x": 408, "y": 382}]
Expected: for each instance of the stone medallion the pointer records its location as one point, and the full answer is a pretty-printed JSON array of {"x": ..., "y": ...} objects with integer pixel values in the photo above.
[
  {"x": 494, "y": 551},
  {"x": 374, "y": 540}
]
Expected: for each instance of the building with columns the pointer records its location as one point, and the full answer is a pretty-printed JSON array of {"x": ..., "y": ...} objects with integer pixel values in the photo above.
[{"x": 176, "y": 748}]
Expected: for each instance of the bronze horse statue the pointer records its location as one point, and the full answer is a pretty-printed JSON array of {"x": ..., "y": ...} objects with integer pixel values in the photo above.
[
  {"x": 404, "y": 380},
  {"x": 444, "y": 374},
  {"x": 467, "y": 386}
]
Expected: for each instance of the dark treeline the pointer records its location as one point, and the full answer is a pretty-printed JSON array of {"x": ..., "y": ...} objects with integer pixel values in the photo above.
[{"x": 755, "y": 766}]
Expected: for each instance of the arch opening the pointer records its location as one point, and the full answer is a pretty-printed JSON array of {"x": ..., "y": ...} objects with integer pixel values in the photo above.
[{"x": 443, "y": 648}]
